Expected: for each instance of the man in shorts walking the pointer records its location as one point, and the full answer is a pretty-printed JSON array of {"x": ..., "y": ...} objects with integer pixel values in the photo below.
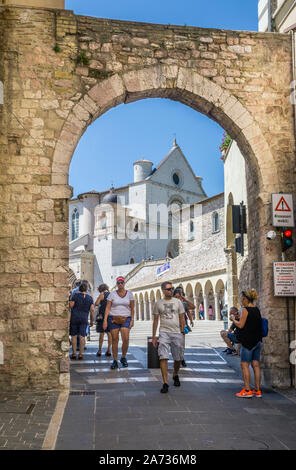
[{"x": 169, "y": 311}]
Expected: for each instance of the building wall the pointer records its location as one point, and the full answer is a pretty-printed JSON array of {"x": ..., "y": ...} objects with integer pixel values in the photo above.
[
  {"x": 60, "y": 4},
  {"x": 175, "y": 162},
  {"x": 276, "y": 15},
  {"x": 235, "y": 192},
  {"x": 202, "y": 255},
  {"x": 206, "y": 69}
]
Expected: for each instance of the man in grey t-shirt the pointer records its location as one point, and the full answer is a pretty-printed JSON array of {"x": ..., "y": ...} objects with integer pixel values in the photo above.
[{"x": 169, "y": 311}]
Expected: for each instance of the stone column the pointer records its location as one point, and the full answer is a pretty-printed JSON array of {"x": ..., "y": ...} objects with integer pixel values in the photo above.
[
  {"x": 136, "y": 310},
  {"x": 232, "y": 280},
  {"x": 149, "y": 310},
  {"x": 145, "y": 310},
  {"x": 205, "y": 302},
  {"x": 197, "y": 308},
  {"x": 217, "y": 310}
]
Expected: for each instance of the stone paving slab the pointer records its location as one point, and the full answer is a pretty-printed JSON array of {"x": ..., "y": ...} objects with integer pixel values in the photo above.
[
  {"x": 22, "y": 425},
  {"x": 129, "y": 415}
]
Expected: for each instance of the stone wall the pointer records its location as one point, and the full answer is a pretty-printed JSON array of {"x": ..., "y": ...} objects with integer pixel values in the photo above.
[
  {"x": 60, "y": 4},
  {"x": 60, "y": 72}
]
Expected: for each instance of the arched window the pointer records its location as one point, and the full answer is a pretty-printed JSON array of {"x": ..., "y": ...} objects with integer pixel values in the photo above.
[
  {"x": 216, "y": 222},
  {"x": 75, "y": 224},
  {"x": 104, "y": 222}
]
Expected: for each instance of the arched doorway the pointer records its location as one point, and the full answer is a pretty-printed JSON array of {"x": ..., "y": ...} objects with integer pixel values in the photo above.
[
  {"x": 74, "y": 105},
  {"x": 219, "y": 299},
  {"x": 209, "y": 300},
  {"x": 197, "y": 92},
  {"x": 198, "y": 293}
]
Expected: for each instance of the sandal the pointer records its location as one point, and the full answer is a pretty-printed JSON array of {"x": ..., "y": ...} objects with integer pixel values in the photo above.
[
  {"x": 80, "y": 357},
  {"x": 73, "y": 357}
]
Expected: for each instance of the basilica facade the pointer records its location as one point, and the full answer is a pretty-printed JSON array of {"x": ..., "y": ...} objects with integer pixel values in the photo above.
[{"x": 111, "y": 232}]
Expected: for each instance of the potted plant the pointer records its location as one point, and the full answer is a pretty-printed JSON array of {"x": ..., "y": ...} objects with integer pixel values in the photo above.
[{"x": 226, "y": 141}]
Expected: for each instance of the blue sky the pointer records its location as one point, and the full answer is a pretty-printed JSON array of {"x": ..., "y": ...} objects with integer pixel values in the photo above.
[{"x": 107, "y": 150}]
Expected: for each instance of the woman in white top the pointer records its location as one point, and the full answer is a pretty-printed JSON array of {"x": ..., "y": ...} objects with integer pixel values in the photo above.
[{"x": 119, "y": 316}]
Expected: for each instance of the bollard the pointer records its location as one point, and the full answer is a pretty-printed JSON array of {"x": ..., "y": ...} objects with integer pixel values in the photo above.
[{"x": 152, "y": 352}]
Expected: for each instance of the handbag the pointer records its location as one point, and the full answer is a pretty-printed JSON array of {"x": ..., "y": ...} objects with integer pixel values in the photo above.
[{"x": 118, "y": 320}]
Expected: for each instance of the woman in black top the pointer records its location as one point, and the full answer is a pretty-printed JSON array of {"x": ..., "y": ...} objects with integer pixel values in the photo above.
[
  {"x": 250, "y": 325},
  {"x": 102, "y": 303},
  {"x": 81, "y": 304}
]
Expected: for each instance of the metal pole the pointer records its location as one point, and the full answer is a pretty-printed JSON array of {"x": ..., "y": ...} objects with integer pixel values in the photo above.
[
  {"x": 289, "y": 339},
  {"x": 241, "y": 227}
]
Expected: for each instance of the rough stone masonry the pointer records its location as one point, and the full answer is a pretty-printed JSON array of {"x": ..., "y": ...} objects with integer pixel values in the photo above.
[{"x": 60, "y": 72}]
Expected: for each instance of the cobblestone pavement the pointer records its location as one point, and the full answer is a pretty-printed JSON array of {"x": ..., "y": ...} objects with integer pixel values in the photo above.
[
  {"x": 124, "y": 410},
  {"x": 24, "y": 419}
]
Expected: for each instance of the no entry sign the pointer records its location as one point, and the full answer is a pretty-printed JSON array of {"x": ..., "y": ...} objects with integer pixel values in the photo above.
[
  {"x": 284, "y": 275},
  {"x": 282, "y": 210}
]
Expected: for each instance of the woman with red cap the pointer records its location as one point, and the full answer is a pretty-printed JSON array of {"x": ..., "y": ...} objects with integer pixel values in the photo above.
[{"x": 119, "y": 316}]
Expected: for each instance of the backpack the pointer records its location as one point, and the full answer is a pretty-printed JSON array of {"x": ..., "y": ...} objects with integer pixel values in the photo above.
[{"x": 264, "y": 327}]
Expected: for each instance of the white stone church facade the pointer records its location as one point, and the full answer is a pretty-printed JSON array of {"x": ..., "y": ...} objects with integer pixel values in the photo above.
[
  {"x": 201, "y": 258},
  {"x": 111, "y": 232}
]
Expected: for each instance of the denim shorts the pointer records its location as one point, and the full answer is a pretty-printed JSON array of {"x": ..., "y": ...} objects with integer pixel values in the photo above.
[
  {"x": 232, "y": 336},
  {"x": 249, "y": 355},
  {"x": 114, "y": 326}
]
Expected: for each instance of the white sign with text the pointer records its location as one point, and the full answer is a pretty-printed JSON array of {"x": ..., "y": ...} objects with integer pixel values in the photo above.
[
  {"x": 284, "y": 275},
  {"x": 282, "y": 210}
]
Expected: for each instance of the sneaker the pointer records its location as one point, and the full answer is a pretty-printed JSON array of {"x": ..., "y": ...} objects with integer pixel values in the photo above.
[
  {"x": 230, "y": 352},
  {"x": 244, "y": 394},
  {"x": 114, "y": 365},
  {"x": 257, "y": 393},
  {"x": 98, "y": 354},
  {"x": 225, "y": 350},
  {"x": 124, "y": 362},
  {"x": 165, "y": 388},
  {"x": 108, "y": 354},
  {"x": 184, "y": 363},
  {"x": 176, "y": 381}
]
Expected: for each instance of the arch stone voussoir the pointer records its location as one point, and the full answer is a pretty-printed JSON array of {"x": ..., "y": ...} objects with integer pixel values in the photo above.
[{"x": 108, "y": 93}]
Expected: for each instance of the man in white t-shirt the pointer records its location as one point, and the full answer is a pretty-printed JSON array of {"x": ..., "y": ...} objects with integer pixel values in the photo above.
[{"x": 169, "y": 311}]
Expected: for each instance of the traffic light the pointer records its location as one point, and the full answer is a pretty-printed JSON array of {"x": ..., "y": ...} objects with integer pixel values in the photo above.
[{"x": 287, "y": 240}]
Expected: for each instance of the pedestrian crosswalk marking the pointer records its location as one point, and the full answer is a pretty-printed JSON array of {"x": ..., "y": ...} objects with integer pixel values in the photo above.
[
  {"x": 122, "y": 380},
  {"x": 198, "y": 379},
  {"x": 93, "y": 371},
  {"x": 97, "y": 362},
  {"x": 199, "y": 354},
  {"x": 226, "y": 371},
  {"x": 228, "y": 381},
  {"x": 203, "y": 368}
]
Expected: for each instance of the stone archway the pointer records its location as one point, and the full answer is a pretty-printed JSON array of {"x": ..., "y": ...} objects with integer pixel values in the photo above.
[
  {"x": 50, "y": 100},
  {"x": 184, "y": 85}
]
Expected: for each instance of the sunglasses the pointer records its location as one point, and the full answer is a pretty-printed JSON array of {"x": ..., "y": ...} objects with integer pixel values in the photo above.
[
  {"x": 170, "y": 288},
  {"x": 120, "y": 282}
]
